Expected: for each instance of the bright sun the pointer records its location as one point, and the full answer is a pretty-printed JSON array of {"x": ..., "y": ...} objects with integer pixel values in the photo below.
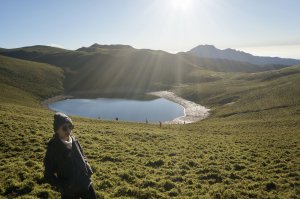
[{"x": 181, "y": 4}]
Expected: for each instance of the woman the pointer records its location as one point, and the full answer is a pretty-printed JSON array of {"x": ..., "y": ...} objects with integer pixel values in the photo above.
[{"x": 66, "y": 167}]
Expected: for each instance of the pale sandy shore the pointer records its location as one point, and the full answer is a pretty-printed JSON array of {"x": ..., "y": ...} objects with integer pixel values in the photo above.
[{"x": 192, "y": 112}]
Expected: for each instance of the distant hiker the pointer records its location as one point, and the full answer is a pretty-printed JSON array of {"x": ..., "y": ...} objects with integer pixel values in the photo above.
[
  {"x": 117, "y": 118},
  {"x": 159, "y": 123},
  {"x": 66, "y": 166},
  {"x": 146, "y": 121}
]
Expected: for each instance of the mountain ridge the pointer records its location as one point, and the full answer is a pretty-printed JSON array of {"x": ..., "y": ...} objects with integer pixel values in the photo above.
[
  {"x": 94, "y": 47},
  {"x": 210, "y": 51},
  {"x": 43, "y": 53},
  {"x": 106, "y": 68}
]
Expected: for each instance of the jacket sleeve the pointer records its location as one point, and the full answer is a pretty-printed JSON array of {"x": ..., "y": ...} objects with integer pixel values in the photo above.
[
  {"x": 50, "y": 169},
  {"x": 85, "y": 159}
]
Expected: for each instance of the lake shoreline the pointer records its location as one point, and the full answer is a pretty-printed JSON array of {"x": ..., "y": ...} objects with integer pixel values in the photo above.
[
  {"x": 53, "y": 99},
  {"x": 193, "y": 112}
]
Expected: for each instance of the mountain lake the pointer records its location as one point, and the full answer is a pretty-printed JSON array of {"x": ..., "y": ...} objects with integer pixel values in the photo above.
[{"x": 154, "y": 110}]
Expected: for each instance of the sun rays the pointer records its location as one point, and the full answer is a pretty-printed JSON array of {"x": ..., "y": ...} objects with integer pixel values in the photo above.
[{"x": 181, "y": 5}]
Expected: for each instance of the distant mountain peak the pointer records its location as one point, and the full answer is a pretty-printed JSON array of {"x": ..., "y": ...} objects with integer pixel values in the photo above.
[
  {"x": 207, "y": 45},
  {"x": 210, "y": 51},
  {"x": 97, "y": 46},
  {"x": 231, "y": 49},
  {"x": 112, "y": 46}
]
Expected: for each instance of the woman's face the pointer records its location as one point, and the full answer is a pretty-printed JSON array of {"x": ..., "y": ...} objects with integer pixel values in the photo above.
[{"x": 64, "y": 131}]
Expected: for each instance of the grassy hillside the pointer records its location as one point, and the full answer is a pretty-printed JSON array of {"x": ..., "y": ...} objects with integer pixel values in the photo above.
[
  {"x": 107, "y": 69},
  {"x": 248, "y": 148},
  {"x": 227, "y": 65},
  {"x": 211, "y": 159},
  {"x": 32, "y": 52},
  {"x": 232, "y": 94},
  {"x": 124, "y": 69},
  {"x": 41, "y": 80}
]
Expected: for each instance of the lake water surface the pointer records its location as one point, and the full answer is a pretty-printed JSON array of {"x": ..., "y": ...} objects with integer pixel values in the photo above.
[{"x": 124, "y": 109}]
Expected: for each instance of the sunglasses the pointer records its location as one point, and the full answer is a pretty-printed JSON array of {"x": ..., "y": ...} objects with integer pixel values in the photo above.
[{"x": 67, "y": 126}]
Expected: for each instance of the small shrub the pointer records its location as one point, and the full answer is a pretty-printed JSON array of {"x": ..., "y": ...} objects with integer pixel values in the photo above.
[
  {"x": 230, "y": 194},
  {"x": 271, "y": 186},
  {"x": 168, "y": 185},
  {"x": 212, "y": 176},
  {"x": 155, "y": 164},
  {"x": 127, "y": 177},
  {"x": 105, "y": 184},
  {"x": 238, "y": 167},
  {"x": 192, "y": 163},
  {"x": 110, "y": 159},
  {"x": 234, "y": 176},
  {"x": 173, "y": 193},
  {"x": 148, "y": 183},
  {"x": 126, "y": 191}
]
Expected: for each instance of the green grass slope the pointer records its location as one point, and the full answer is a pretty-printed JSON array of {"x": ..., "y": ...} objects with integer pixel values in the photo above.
[
  {"x": 42, "y": 80},
  {"x": 227, "y": 65},
  {"x": 103, "y": 69},
  {"x": 234, "y": 94},
  {"x": 210, "y": 159},
  {"x": 234, "y": 154},
  {"x": 109, "y": 69}
]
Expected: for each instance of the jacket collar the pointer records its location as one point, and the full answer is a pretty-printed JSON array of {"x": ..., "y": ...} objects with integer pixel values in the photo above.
[{"x": 60, "y": 143}]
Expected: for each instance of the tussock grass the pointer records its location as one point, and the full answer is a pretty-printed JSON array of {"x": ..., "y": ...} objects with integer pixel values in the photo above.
[
  {"x": 212, "y": 158},
  {"x": 41, "y": 80}
]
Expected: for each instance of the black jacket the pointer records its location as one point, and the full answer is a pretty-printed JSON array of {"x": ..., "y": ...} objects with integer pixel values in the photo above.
[{"x": 66, "y": 169}]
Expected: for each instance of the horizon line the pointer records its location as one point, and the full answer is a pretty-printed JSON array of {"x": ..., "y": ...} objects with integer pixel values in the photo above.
[{"x": 240, "y": 49}]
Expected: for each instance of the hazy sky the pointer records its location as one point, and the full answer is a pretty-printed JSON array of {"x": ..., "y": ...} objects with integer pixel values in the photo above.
[{"x": 261, "y": 27}]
